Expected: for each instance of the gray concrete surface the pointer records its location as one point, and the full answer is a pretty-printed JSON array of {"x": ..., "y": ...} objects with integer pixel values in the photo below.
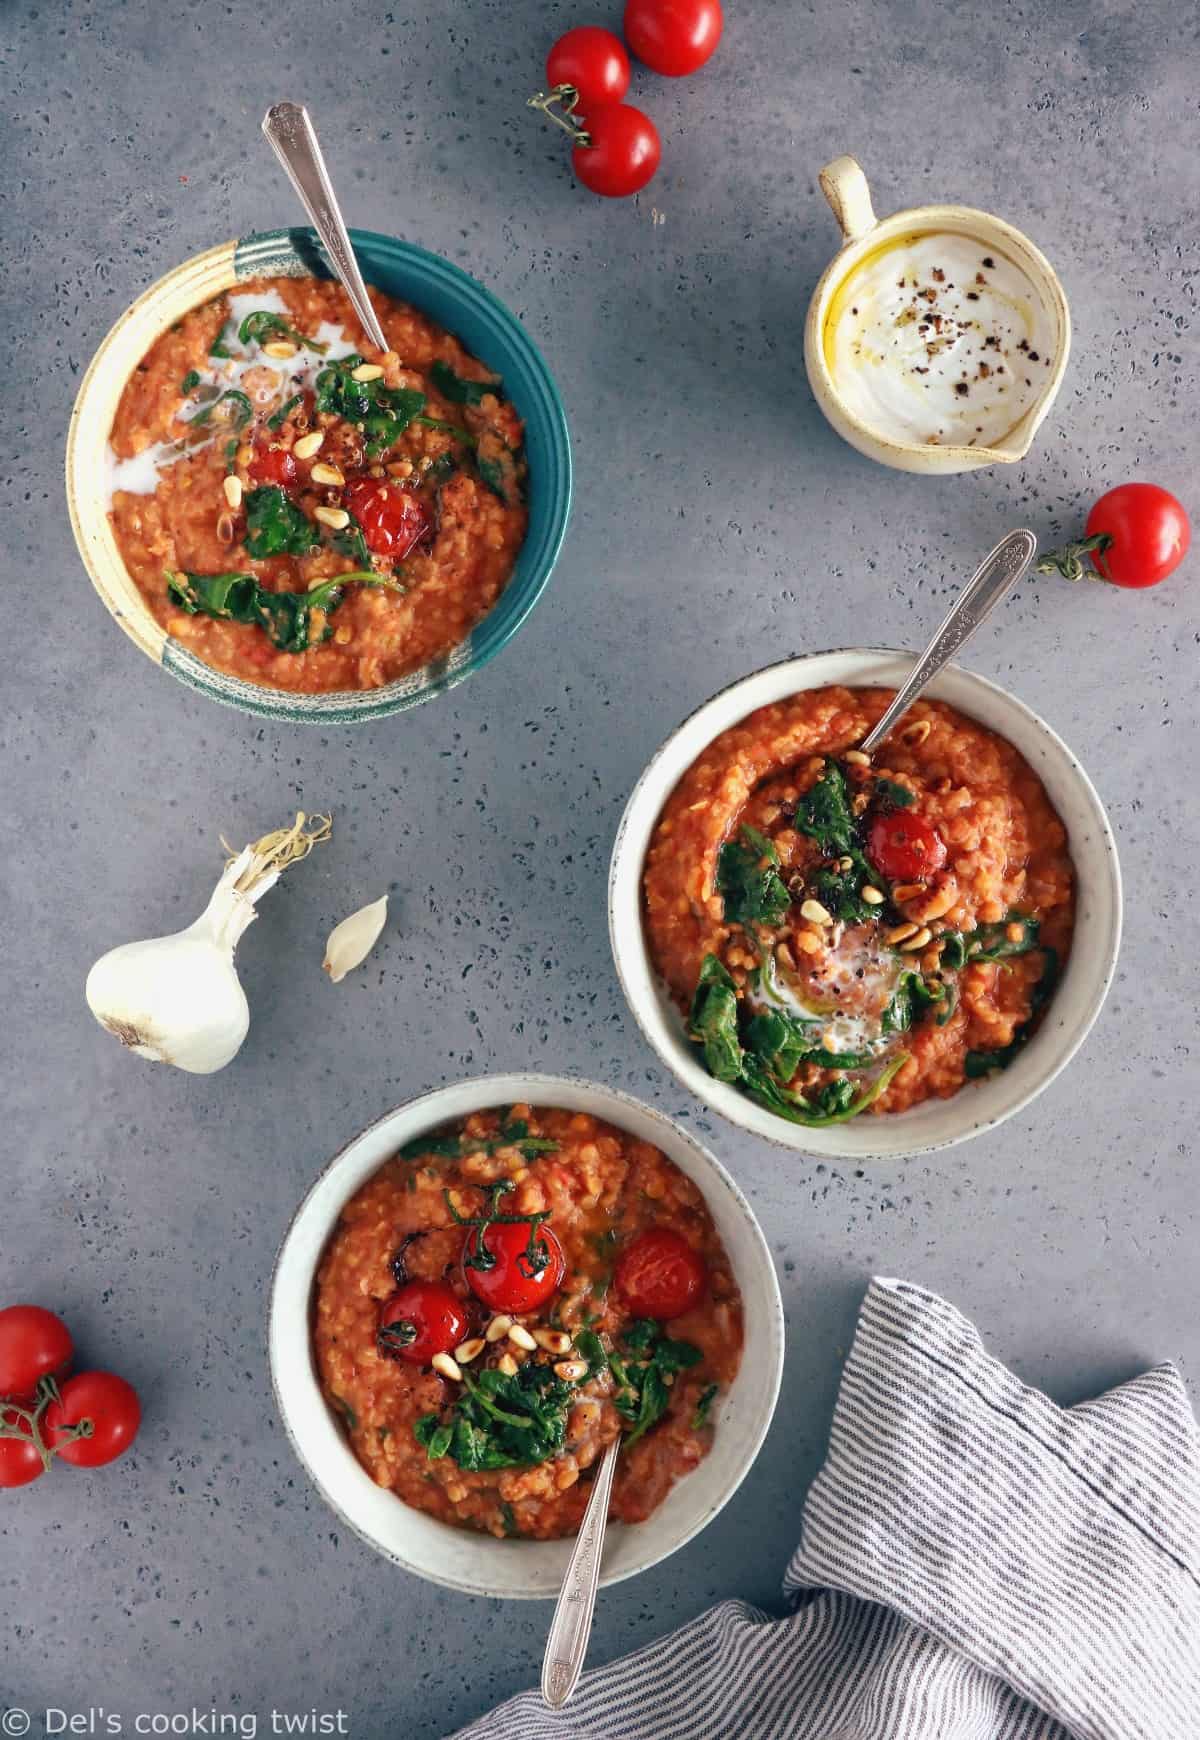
[{"x": 719, "y": 525}]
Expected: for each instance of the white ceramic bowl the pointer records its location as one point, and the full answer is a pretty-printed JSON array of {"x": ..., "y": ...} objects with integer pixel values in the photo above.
[
  {"x": 474, "y": 1563},
  {"x": 1081, "y": 991}
]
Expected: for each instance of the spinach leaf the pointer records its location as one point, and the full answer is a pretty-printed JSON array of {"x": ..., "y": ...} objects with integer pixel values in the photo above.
[
  {"x": 459, "y": 433},
  {"x": 500, "y": 469},
  {"x": 514, "y": 1133},
  {"x": 264, "y": 325},
  {"x": 644, "y": 1395},
  {"x": 275, "y": 526},
  {"x": 461, "y": 391},
  {"x": 840, "y": 891},
  {"x": 383, "y": 413},
  {"x": 509, "y": 1521},
  {"x": 497, "y": 1421},
  {"x": 218, "y": 347},
  {"x": 189, "y": 381},
  {"x": 230, "y": 407},
  {"x": 780, "y": 1041},
  {"x": 991, "y": 942},
  {"x": 954, "y": 950},
  {"x": 912, "y": 998},
  {"x": 278, "y": 418},
  {"x": 350, "y": 542},
  {"x": 589, "y": 1346},
  {"x": 704, "y": 1406},
  {"x": 824, "y": 813},
  {"x": 285, "y": 616},
  {"x": 749, "y": 882},
  {"x": 830, "y": 1107},
  {"x": 889, "y": 792},
  {"x": 713, "y": 1022},
  {"x": 841, "y": 1059}
]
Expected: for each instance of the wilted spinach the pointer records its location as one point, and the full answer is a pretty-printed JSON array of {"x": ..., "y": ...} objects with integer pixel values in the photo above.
[
  {"x": 979, "y": 1063},
  {"x": 461, "y": 391},
  {"x": 514, "y": 1133},
  {"x": 749, "y": 882},
  {"x": 497, "y": 1421},
  {"x": 275, "y": 526},
  {"x": 264, "y": 325},
  {"x": 713, "y": 1021},
  {"x": 286, "y": 617},
  {"x": 640, "y": 1368},
  {"x": 383, "y": 413}
]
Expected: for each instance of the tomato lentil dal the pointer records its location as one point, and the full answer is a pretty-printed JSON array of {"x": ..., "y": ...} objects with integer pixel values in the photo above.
[
  {"x": 197, "y": 432},
  {"x": 602, "y": 1189},
  {"x": 1004, "y": 884}
]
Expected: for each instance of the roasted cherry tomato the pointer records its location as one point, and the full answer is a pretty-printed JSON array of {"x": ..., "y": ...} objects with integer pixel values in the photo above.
[
  {"x": 905, "y": 847},
  {"x": 20, "y": 1460},
  {"x": 273, "y": 465},
  {"x": 1149, "y": 531},
  {"x": 112, "y": 1407},
  {"x": 514, "y": 1281},
  {"x": 34, "y": 1344},
  {"x": 674, "y": 37},
  {"x": 420, "y": 1319},
  {"x": 623, "y": 153},
  {"x": 659, "y": 1274},
  {"x": 593, "y": 63},
  {"x": 392, "y": 519}
]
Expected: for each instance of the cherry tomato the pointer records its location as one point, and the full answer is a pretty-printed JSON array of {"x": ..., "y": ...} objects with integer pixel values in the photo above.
[
  {"x": 392, "y": 519},
  {"x": 905, "y": 847},
  {"x": 20, "y": 1459},
  {"x": 420, "y": 1319},
  {"x": 659, "y": 1274},
  {"x": 1149, "y": 530},
  {"x": 109, "y": 1403},
  {"x": 623, "y": 155},
  {"x": 514, "y": 1283},
  {"x": 34, "y": 1344},
  {"x": 593, "y": 62},
  {"x": 273, "y": 465},
  {"x": 674, "y": 37}
]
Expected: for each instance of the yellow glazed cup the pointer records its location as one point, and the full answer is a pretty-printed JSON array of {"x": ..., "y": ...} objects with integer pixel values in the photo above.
[{"x": 845, "y": 187}]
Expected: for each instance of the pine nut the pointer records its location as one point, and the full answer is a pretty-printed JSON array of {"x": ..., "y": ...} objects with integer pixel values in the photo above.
[
  {"x": 553, "y": 1340},
  {"x": 507, "y": 1364},
  {"x": 916, "y": 732},
  {"x": 520, "y": 1337},
  {"x": 923, "y": 936},
  {"x": 327, "y": 474},
  {"x": 899, "y": 932},
  {"x": 814, "y": 912},
  {"x": 448, "y": 1368},
  {"x": 244, "y": 454},
  {"x": 808, "y": 942},
  {"x": 280, "y": 347},
  {"x": 845, "y": 863},
  {"x": 872, "y": 896},
  {"x": 469, "y": 1350},
  {"x": 784, "y": 955},
  {"x": 571, "y": 1370},
  {"x": 908, "y": 891},
  {"x": 309, "y": 444},
  {"x": 856, "y": 758},
  {"x": 367, "y": 372},
  {"x": 497, "y": 1329},
  {"x": 337, "y": 518},
  {"x": 233, "y": 491}
]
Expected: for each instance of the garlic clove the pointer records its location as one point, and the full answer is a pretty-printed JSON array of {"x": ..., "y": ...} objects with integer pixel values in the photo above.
[{"x": 352, "y": 941}]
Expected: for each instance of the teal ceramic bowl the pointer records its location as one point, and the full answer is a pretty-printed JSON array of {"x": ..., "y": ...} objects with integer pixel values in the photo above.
[{"x": 439, "y": 289}]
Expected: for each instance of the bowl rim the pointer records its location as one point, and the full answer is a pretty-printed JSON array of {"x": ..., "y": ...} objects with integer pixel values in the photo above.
[
  {"x": 539, "y": 1088},
  {"x": 222, "y": 267},
  {"x": 664, "y": 1032},
  {"x": 882, "y": 230}
]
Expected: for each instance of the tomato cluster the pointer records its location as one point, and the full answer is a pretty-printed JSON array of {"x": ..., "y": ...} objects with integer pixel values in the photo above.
[
  {"x": 1135, "y": 536},
  {"x": 88, "y": 1419},
  {"x": 617, "y": 148}
]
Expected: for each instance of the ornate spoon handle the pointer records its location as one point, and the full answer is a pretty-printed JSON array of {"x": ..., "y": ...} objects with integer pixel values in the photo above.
[
  {"x": 293, "y": 138},
  {"x": 571, "y": 1626},
  {"x": 996, "y": 575}
]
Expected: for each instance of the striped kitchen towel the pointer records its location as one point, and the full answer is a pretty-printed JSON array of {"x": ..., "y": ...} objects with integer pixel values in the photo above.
[{"x": 975, "y": 1563}]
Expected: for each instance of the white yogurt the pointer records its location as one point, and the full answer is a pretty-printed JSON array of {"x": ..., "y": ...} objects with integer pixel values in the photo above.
[{"x": 939, "y": 339}]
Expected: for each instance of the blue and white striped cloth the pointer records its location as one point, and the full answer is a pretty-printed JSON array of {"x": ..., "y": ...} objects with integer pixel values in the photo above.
[{"x": 975, "y": 1564}]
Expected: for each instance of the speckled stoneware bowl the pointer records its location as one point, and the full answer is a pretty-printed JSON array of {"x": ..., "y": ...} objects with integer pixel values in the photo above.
[
  {"x": 980, "y": 1105},
  {"x": 478, "y": 1564},
  {"x": 450, "y": 297}
]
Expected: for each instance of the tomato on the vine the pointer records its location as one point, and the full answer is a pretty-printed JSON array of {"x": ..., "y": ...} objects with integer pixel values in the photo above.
[
  {"x": 34, "y": 1344},
  {"x": 905, "y": 847},
  {"x": 273, "y": 465},
  {"x": 420, "y": 1319},
  {"x": 110, "y": 1405},
  {"x": 674, "y": 37},
  {"x": 622, "y": 153},
  {"x": 659, "y": 1275},
  {"x": 1135, "y": 536},
  {"x": 20, "y": 1459},
  {"x": 592, "y": 62},
  {"x": 392, "y": 520},
  {"x": 518, "y": 1267}
]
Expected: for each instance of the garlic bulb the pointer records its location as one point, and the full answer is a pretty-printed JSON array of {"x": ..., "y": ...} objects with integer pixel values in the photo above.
[
  {"x": 352, "y": 941},
  {"x": 177, "y": 999}
]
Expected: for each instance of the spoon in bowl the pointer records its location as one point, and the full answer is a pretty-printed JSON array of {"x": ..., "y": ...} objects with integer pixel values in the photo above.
[
  {"x": 995, "y": 577},
  {"x": 571, "y": 1626},
  {"x": 293, "y": 138}
]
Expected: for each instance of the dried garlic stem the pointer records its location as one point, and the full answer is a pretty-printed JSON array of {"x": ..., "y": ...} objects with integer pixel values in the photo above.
[{"x": 278, "y": 851}]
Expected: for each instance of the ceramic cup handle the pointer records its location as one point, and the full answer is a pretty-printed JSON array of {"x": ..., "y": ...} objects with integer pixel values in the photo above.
[{"x": 845, "y": 187}]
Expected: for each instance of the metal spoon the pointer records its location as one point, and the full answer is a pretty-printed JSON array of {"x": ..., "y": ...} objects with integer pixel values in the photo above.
[
  {"x": 996, "y": 575},
  {"x": 293, "y": 138},
  {"x": 571, "y": 1626}
]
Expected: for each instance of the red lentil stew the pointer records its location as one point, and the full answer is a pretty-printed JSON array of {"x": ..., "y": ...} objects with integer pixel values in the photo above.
[
  {"x": 847, "y": 934},
  {"x": 302, "y": 513},
  {"x": 503, "y": 1299}
]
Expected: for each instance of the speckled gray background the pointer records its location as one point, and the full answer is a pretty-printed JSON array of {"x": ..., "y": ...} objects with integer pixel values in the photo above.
[{"x": 719, "y": 525}]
